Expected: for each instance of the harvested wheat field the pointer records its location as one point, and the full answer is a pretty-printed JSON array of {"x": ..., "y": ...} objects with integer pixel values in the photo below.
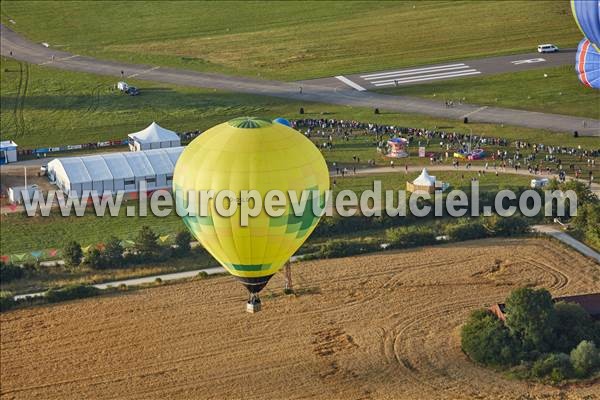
[{"x": 382, "y": 326}]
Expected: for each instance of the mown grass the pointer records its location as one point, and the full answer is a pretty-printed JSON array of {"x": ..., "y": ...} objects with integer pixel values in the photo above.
[
  {"x": 62, "y": 107},
  {"x": 293, "y": 40},
  {"x": 552, "y": 90}
]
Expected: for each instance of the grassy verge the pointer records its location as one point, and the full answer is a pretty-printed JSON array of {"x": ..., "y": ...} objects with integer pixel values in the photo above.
[
  {"x": 293, "y": 40},
  {"x": 553, "y": 90},
  {"x": 20, "y": 233}
]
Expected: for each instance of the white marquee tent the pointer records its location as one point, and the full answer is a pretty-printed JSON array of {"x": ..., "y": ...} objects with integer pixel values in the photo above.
[
  {"x": 116, "y": 171},
  {"x": 425, "y": 183},
  {"x": 153, "y": 137}
]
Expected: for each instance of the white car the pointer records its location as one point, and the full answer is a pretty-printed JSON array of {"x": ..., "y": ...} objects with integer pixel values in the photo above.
[{"x": 547, "y": 48}]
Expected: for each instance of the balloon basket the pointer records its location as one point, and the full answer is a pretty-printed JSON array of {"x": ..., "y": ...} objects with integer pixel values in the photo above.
[{"x": 253, "y": 304}]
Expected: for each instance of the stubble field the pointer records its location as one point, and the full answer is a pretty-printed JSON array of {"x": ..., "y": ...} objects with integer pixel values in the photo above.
[{"x": 382, "y": 326}]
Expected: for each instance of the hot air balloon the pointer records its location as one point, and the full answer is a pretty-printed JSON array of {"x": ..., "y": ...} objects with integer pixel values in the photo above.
[
  {"x": 282, "y": 121},
  {"x": 252, "y": 154},
  {"x": 587, "y": 16},
  {"x": 588, "y": 64}
]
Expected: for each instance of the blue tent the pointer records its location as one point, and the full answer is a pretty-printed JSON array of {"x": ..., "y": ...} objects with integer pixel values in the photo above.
[{"x": 282, "y": 121}]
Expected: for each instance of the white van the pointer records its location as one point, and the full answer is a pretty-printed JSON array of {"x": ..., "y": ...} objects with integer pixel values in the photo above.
[{"x": 547, "y": 48}]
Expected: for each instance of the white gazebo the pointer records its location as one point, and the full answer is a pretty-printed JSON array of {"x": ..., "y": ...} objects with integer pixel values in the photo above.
[
  {"x": 425, "y": 183},
  {"x": 153, "y": 137}
]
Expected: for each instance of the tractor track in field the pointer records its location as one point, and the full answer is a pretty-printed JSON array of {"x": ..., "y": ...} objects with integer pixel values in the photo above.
[{"x": 379, "y": 326}]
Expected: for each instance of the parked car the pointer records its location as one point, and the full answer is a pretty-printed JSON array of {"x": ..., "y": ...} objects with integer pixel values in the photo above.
[
  {"x": 547, "y": 48},
  {"x": 132, "y": 91},
  {"x": 122, "y": 86},
  {"x": 539, "y": 183}
]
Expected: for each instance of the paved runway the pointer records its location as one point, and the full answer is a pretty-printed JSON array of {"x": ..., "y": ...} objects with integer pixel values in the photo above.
[
  {"x": 17, "y": 47},
  {"x": 450, "y": 70}
]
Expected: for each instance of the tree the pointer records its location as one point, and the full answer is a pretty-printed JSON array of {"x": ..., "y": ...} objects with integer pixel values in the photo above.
[
  {"x": 486, "y": 340},
  {"x": 94, "y": 259},
  {"x": 113, "y": 252},
  {"x": 146, "y": 243},
  {"x": 585, "y": 358},
  {"x": 72, "y": 254},
  {"x": 182, "y": 241},
  {"x": 10, "y": 272},
  {"x": 573, "y": 324},
  {"x": 531, "y": 318}
]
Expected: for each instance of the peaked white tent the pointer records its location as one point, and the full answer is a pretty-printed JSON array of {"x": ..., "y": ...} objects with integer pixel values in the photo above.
[
  {"x": 153, "y": 137},
  {"x": 425, "y": 183},
  {"x": 424, "y": 179}
]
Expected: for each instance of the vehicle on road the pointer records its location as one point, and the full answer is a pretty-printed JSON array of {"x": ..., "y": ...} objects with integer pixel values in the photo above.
[{"x": 547, "y": 48}]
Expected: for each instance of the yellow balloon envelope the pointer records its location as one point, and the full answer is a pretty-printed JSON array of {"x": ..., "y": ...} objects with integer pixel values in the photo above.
[{"x": 252, "y": 154}]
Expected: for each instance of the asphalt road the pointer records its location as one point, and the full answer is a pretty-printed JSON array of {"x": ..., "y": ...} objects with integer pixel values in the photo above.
[
  {"x": 17, "y": 47},
  {"x": 449, "y": 70}
]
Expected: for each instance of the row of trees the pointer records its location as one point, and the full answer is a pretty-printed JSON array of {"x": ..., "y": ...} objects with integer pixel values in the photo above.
[
  {"x": 146, "y": 248},
  {"x": 539, "y": 338}
]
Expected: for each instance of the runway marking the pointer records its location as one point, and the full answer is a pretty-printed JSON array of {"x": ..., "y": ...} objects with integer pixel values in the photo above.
[
  {"x": 59, "y": 59},
  {"x": 143, "y": 72},
  {"x": 430, "y": 77},
  {"x": 529, "y": 61},
  {"x": 413, "y": 71},
  {"x": 474, "y": 111},
  {"x": 350, "y": 83}
]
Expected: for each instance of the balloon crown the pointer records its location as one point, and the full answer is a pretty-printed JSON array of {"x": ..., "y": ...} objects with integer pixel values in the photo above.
[{"x": 249, "y": 122}]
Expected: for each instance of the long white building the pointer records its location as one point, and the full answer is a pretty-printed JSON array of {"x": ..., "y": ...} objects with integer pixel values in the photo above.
[{"x": 115, "y": 171}]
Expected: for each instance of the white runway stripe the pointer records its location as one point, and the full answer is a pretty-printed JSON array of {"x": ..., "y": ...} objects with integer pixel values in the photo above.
[
  {"x": 413, "y": 71},
  {"x": 433, "y": 74},
  {"x": 350, "y": 83},
  {"x": 428, "y": 77}
]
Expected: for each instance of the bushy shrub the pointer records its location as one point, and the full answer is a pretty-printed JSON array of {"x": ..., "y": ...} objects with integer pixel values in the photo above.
[
  {"x": 486, "y": 340},
  {"x": 531, "y": 318},
  {"x": 573, "y": 325},
  {"x": 507, "y": 226},
  {"x": 113, "y": 253},
  {"x": 6, "y": 300},
  {"x": 410, "y": 236},
  {"x": 72, "y": 254},
  {"x": 556, "y": 366},
  {"x": 10, "y": 272},
  {"x": 94, "y": 259},
  {"x": 146, "y": 244},
  {"x": 70, "y": 293},
  {"x": 182, "y": 242},
  {"x": 466, "y": 231},
  {"x": 585, "y": 358},
  {"x": 345, "y": 248}
]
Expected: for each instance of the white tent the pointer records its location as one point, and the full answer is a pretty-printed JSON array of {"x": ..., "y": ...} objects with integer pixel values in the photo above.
[
  {"x": 425, "y": 183},
  {"x": 153, "y": 137},
  {"x": 424, "y": 179},
  {"x": 115, "y": 171}
]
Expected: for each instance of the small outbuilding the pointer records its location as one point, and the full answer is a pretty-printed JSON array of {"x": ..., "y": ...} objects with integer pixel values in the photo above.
[
  {"x": 153, "y": 137},
  {"x": 8, "y": 152},
  {"x": 589, "y": 302}
]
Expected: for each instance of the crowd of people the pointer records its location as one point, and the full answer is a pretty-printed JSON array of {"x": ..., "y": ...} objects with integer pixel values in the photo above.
[{"x": 518, "y": 154}]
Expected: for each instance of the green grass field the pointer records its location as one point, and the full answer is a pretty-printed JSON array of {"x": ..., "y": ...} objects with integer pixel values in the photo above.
[
  {"x": 19, "y": 233},
  {"x": 560, "y": 92},
  {"x": 61, "y": 107},
  {"x": 293, "y": 40}
]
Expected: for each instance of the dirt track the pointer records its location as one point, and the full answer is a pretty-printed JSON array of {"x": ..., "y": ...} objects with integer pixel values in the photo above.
[{"x": 383, "y": 326}]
